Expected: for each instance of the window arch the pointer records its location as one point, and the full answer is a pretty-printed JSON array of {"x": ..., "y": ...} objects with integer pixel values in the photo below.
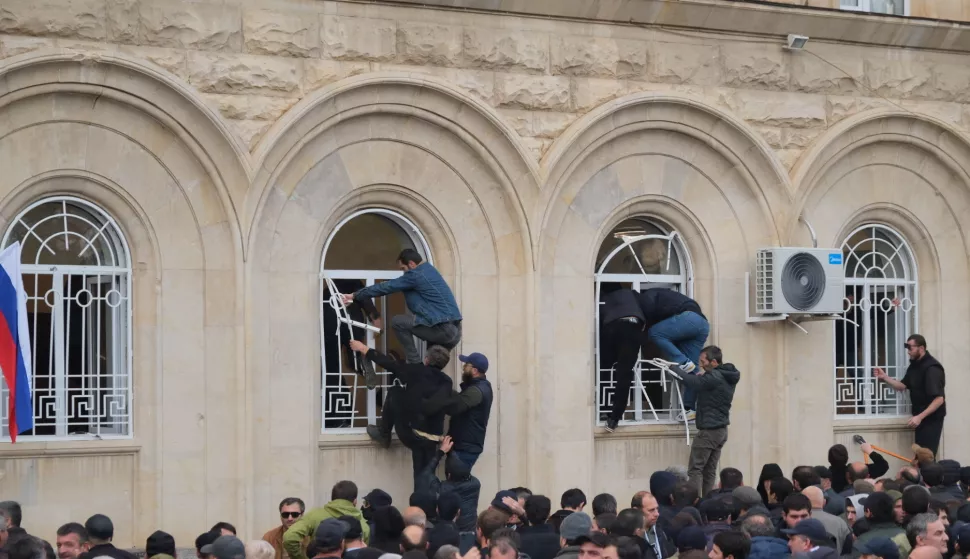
[
  {"x": 639, "y": 253},
  {"x": 881, "y": 294},
  {"x": 362, "y": 250},
  {"x": 76, "y": 270}
]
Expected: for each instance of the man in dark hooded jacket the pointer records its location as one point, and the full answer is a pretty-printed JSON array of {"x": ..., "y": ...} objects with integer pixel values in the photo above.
[
  {"x": 715, "y": 393},
  {"x": 458, "y": 479},
  {"x": 662, "y": 485}
]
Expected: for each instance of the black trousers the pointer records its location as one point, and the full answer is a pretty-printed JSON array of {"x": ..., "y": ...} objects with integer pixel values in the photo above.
[
  {"x": 625, "y": 337},
  {"x": 422, "y": 450},
  {"x": 928, "y": 434}
]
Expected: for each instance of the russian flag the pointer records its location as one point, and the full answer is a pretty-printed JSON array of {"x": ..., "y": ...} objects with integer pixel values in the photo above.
[{"x": 15, "y": 342}]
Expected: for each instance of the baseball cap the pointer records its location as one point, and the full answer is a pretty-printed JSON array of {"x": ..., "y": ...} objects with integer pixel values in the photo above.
[
  {"x": 378, "y": 498},
  {"x": 880, "y": 547},
  {"x": 476, "y": 360},
  {"x": 497, "y": 501},
  {"x": 747, "y": 497},
  {"x": 225, "y": 547},
  {"x": 330, "y": 534},
  {"x": 575, "y": 525},
  {"x": 810, "y": 528},
  {"x": 205, "y": 539},
  {"x": 160, "y": 542}
]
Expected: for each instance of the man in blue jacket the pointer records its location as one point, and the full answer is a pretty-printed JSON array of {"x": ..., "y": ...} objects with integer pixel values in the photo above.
[{"x": 436, "y": 318}]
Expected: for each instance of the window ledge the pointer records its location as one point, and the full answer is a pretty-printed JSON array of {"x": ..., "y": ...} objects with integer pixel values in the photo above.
[
  {"x": 351, "y": 440},
  {"x": 881, "y": 425},
  {"x": 25, "y": 449},
  {"x": 645, "y": 431}
]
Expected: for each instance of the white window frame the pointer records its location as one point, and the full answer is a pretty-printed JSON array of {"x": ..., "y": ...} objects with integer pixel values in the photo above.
[
  {"x": 865, "y": 6},
  {"x": 119, "y": 359},
  {"x": 369, "y": 277},
  {"x": 683, "y": 283},
  {"x": 907, "y": 318}
]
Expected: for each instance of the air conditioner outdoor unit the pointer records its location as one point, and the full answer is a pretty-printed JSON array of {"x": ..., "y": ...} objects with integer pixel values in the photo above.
[{"x": 799, "y": 281}]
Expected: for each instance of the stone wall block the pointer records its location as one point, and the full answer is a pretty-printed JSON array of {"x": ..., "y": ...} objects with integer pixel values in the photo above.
[
  {"x": 588, "y": 94},
  {"x": 951, "y": 82},
  {"x": 532, "y": 92},
  {"x": 250, "y": 130},
  {"x": 171, "y": 59},
  {"x": 838, "y": 107},
  {"x": 123, "y": 21},
  {"x": 353, "y": 38},
  {"x": 84, "y": 19},
  {"x": 15, "y": 45},
  {"x": 428, "y": 43},
  {"x": 892, "y": 77},
  {"x": 216, "y": 73},
  {"x": 550, "y": 125},
  {"x": 685, "y": 63},
  {"x": 194, "y": 26},
  {"x": 282, "y": 34},
  {"x": 591, "y": 56},
  {"x": 828, "y": 72},
  {"x": 318, "y": 73},
  {"x": 503, "y": 49},
  {"x": 755, "y": 66},
  {"x": 251, "y": 107},
  {"x": 779, "y": 109}
]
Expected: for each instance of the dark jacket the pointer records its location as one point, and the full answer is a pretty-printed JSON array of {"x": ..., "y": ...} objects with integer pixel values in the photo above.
[
  {"x": 106, "y": 550},
  {"x": 556, "y": 518},
  {"x": 426, "y": 293},
  {"x": 465, "y": 485},
  {"x": 660, "y": 303},
  {"x": 715, "y": 393},
  {"x": 621, "y": 303},
  {"x": 15, "y": 534},
  {"x": 926, "y": 380},
  {"x": 540, "y": 542},
  {"x": 421, "y": 406},
  {"x": 667, "y": 548},
  {"x": 714, "y": 528},
  {"x": 469, "y": 411},
  {"x": 443, "y": 533},
  {"x": 764, "y": 547},
  {"x": 884, "y": 530},
  {"x": 821, "y": 553},
  {"x": 568, "y": 552}
]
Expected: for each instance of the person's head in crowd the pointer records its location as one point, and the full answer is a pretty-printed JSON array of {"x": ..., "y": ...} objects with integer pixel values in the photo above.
[
  {"x": 344, "y": 491},
  {"x": 573, "y": 499},
  {"x": 685, "y": 494},
  {"x": 678, "y": 471},
  {"x": 498, "y": 503},
  {"x": 768, "y": 473},
  {"x": 537, "y": 509},
  {"x": 815, "y": 497},
  {"x": 627, "y": 548},
  {"x": 414, "y": 538},
  {"x": 490, "y": 520},
  {"x": 730, "y": 545},
  {"x": 427, "y": 502},
  {"x": 160, "y": 543},
  {"x": 863, "y": 487},
  {"x": 100, "y": 529},
  {"x": 824, "y": 474},
  {"x": 962, "y": 541},
  {"x": 927, "y": 530},
  {"x": 856, "y": 471},
  {"x": 649, "y": 506},
  {"x": 854, "y": 508},
  {"x": 25, "y": 548},
  {"x": 899, "y": 514},
  {"x": 604, "y": 503},
  {"x": 838, "y": 455},
  {"x": 505, "y": 544},
  {"x": 203, "y": 540},
  {"x": 662, "y": 486},
  {"x": 521, "y": 494},
  {"x": 388, "y": 523},
  {"x": 804, "y": 476},
  {"x": 328, "y": 539},
  {"x": 939, "y": 509},
  {"x": 456, "y": 470},
  {"x": 886, "y": 484},
  {"x": 731, "y": 478},
  {"x": 878, "y": 508},
  {"x": 573, "y": 526},
  {"x": 374, "y": 500},
  {"x": 963, "y": 513},
  {"x": 758, "y": 526},
  {"x": 951, "y": 472},
  {"x": 231, "y": 547},
  {"x": 447, "y": 552},
  {"x": 687, "y": 517},
  {"x": 716, "y": 511},
  {"x": 691, "y": 538},
  {"x": 72, "y": 541},
  {"x": 3, "y": 529},
  {"x": 796, "y": 508},
  {"x": 291, "y": 510},
  {"x": 778, "y": 490},
  {"x": 259, "y": 549},
  {"x": 354, "y": 536},
  {"x": 449, "y": 506},
  {"x": 744, "y": 499},
  {"x": 224, "y": 529},
  {"x": 596, "y": 545},
  {"x": 916, "y": 500},
  {"x": 805, "y": 535},
  {"x": 922, "y": 455},
  {"x": 629, "y": 522},
  {"x": 877, "y": 548},
  {"x": 965, "y": 479},
  {"x": 604, "y": 522},
  {"x": 415, "y": 516},
  {"x": 12, "y": 512},
  {"x": 932, "y": 474}
]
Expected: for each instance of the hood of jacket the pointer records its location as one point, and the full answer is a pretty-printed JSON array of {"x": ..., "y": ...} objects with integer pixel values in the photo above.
[
  {"x": 662, "y": 486},
  {"x": 730, "y": 373},
  {"x": 341, "y": 507}
]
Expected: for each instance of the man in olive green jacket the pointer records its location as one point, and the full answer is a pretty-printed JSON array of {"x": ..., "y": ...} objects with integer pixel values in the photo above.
[{"x": 343, "y": 501}]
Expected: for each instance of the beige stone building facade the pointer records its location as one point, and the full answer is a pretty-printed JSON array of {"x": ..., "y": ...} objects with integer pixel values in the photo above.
[{"x": 183, "y": 175}]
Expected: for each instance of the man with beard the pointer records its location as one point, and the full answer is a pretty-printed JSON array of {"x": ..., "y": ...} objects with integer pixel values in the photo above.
[{"x": 469, "y": 409}]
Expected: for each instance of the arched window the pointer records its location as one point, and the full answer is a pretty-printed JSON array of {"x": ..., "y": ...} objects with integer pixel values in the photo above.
[
  {"x": 361, "y": 251},
  {"x": 77, "y": 274},
  {"x": 639, "y": 253},
  {"x": 881, "y": 301}
]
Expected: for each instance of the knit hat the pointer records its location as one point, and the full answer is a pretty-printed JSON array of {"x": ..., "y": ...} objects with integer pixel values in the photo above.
[
  {"x": 691, "y": 537},
  {"x": 746, "y": 497},
  {"x": 575, "y": 525}
]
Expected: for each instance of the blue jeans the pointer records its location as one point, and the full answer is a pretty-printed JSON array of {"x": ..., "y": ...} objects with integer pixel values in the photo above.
[
  {"x": 467, "y": 457},
  {"x": 681, "y": 338}
]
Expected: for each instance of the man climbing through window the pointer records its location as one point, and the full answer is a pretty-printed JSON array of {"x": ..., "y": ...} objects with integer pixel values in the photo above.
[{"x": 436, "y": 318}]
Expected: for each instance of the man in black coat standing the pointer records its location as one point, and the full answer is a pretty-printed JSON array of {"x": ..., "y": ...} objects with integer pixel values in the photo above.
[{"x": 926, "y": 381}]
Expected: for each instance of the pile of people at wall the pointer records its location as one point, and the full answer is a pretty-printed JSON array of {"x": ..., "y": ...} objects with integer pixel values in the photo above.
[{"x": 841, "y": 509}]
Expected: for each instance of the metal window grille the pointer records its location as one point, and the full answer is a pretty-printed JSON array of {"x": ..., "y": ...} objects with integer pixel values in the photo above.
[
  {"x": 657, "y": 258},
  {"x": 77, "y": 274},
  {"x": 891, "y": 7},
  {"x": 881, "y": 299},
  {"x": 346, "y": 404}
]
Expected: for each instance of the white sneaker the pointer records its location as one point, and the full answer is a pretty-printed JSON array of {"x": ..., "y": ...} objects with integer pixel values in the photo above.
[
  {"x": 688, "y": 366},
  {"x": 691, "y": 416}
]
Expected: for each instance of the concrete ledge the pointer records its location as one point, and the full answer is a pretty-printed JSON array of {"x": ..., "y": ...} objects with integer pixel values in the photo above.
[{"x": 731, "y": 16}]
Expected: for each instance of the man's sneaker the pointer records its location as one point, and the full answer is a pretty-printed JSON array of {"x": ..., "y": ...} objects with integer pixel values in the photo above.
[
  {"x": 374, "y": 432},
  {"x": 370, "y": 375},
  {"x": 688, "y": 366},
  {"x": 691, "y": 416},
  {"x": 611, "y": 425}
]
